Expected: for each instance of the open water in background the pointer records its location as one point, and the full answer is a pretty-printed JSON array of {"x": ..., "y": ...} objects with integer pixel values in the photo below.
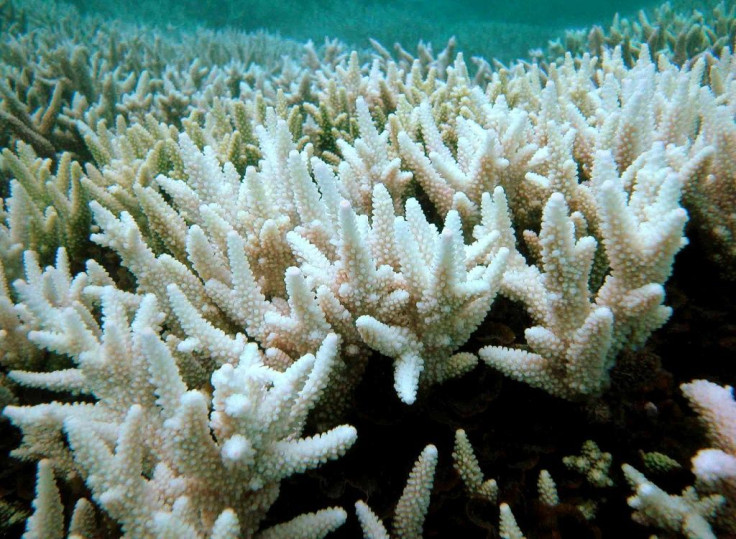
[{"x": 503, "y": 29}]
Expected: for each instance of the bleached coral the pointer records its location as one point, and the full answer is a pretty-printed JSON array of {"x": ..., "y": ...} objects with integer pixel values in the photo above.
[
  {"x": 412, "y": 506},
  {"x": 711, "y": 500},
  {"x": 466, "y": 465},
  {"x": 48, "y": 517},
  {"x": 593, "y": 463},
  {"x": 679, "y": 36},
  {"x": 547, "y": 489},
  {"x": 570, "y": 349},
  {"x": 44, "y": 211},
  {"x": 715, "y": 468},
  {"x": 578, "y": 339},
  {"x": 266, "y": 230},
  {"x": 508, "y": 527},
  {"x": 688, "y": 513},
  {"x": 156, "y": 455},
  {"x": 366, "y": 277}
]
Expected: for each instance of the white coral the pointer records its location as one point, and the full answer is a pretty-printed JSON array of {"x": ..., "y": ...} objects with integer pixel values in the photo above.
[
  {"x": 158, "y": 456},
  {"x": 715, "y": 468}
]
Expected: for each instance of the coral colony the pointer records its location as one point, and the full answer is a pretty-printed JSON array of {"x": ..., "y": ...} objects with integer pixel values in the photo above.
[{"x": 206, "y": 240}]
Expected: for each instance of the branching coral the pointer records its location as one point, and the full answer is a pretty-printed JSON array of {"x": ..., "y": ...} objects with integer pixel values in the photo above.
[
  {"x": 227, "y": 452},
  {"x": 255, "y": 236},
  {"x": 715, "y": 468}
]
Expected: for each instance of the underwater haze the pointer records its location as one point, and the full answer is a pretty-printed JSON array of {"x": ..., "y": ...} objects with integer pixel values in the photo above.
[{"x": 491, "y": 28}]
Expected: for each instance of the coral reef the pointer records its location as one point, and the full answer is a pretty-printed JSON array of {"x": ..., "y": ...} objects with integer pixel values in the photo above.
[{"x": 213, "y": 245}]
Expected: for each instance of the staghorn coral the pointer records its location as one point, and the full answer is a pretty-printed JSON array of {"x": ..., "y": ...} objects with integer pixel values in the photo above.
[
  {"x": 411, "y": 507},
  {"x": 547, "y": 489},
  {"x": 715, "y": 468},
  {"x": 508, "y": 528},
  {"x": 240, "y": 218},
  {"x": 688, "y": 514},
  {"x": 593, "y": 463},
  {"x": 711, "y": 499},
  {"x": 664, "y": 30},
  {"x": 466, "y": 465},
  {"x": 245, "y": 436}
]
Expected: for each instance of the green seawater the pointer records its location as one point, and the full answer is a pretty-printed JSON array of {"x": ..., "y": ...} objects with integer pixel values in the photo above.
[{"x": 500, "y": 29}]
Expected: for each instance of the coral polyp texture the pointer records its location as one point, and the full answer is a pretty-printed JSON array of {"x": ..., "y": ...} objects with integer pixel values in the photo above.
[{"x": 211, "y": 243}]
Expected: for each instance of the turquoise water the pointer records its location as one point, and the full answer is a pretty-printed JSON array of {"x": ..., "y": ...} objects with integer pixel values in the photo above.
[{"x": 501, "y": 29}]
